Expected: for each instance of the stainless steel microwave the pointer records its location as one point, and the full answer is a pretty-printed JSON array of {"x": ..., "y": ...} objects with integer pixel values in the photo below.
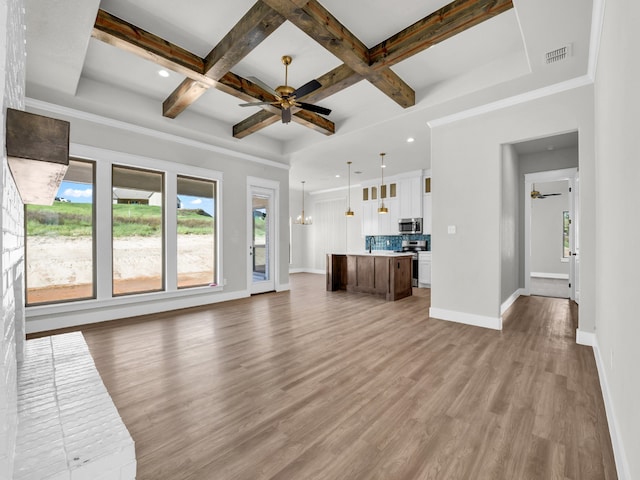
[{"x": 410, "y": 225}]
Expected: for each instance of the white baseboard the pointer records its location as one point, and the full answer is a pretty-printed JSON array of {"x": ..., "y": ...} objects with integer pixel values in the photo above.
[
  {"x": 494, "y": 323},
  {"x": 622, "y": 465},
  {"x": 307, "y": 270},
  {"x": 511, "y": 300},
  {"x": 585, "y": 338},
  {"x": 555, "y": 276},
  {"x": 46, "y": 319}
]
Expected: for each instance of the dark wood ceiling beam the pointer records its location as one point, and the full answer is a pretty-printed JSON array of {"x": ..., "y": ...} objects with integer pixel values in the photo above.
[
  {"x": 317, "y": 22},
  {"x": 128, "y": 37},
  {"x": 444, "y": 23},
  {"x": 254, "y": 123},
  {"x": 121, "y": 34},
  {"x": 256, "y": 25},
  {"x": 314, "y": 121},
  {"x": 264, "y": 118}
]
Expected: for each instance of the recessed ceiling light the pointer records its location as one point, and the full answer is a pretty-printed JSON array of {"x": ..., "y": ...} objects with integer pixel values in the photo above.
[
  {"x": 338, "y": 176},
  {"x": 410, "y": 139},
  {"x": 383, "y": 166},
  {"x": 163, "y": 73}
]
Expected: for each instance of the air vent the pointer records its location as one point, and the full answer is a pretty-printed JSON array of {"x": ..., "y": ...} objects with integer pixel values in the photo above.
[{"x": 558, "y": 55}]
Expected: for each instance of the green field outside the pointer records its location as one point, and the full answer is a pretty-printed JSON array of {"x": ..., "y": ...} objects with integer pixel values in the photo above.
[{"x": 74, "y": 220}]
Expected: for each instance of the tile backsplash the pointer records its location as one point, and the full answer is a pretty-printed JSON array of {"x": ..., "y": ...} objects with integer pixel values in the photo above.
[{"x": 392, "y": 242}]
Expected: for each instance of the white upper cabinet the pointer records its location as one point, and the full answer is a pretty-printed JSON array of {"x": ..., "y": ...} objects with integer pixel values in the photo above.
[
  {"x": 410, "y": 196},
  {"x": 401, "y": 194},
  {"x": 426, "y": 203}
]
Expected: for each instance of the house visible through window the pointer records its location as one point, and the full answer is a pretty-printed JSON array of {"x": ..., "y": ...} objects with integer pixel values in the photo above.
[
  {"x": 137, "y": 231},
  {"x": 60, "y": 241},
  {"x": 196, "y": 222}
]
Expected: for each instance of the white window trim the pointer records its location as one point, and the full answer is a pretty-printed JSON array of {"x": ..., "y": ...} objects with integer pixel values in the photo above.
[{"x": 105, "y": 306}]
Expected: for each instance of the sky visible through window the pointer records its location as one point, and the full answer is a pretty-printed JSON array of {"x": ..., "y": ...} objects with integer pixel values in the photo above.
[{"x": 83, "y": 193}]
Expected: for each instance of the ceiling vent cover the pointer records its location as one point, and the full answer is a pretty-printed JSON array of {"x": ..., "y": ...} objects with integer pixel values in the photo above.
[{"x": 557, "y": 55}]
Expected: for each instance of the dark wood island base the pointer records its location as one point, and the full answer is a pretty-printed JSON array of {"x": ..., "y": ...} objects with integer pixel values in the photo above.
[{"x": 384, "y": 275}]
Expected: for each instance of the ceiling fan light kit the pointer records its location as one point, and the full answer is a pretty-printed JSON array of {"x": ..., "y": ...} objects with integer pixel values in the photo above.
[{"x": 286, "y": 95}]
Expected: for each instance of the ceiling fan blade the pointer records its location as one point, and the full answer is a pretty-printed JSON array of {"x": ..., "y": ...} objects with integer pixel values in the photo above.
[
  {"x": 314, "y": 108},
  {"x": 264, "y": 86},
  {"x": 307, "y": 88},
  {"x": 257, "y": 104},
  {"x": 286, "y": 115}
]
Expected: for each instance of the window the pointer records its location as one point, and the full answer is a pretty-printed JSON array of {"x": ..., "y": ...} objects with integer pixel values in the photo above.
[
  {"x": 59, "y": 241},
  {"x": 138, "y": 230},
  {"x": 565, "y": 234},
  {"x": 196, "y": 222}
]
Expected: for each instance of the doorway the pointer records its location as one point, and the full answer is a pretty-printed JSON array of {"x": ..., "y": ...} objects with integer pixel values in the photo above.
[
  {"x": 550, "y": 233},
  {"x": 262, "y": 261}
]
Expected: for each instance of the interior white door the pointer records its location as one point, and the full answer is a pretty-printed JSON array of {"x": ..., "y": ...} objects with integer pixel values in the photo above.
[
  {"x": 574, "y": 236},
  {"x": 261, "y": 229}
]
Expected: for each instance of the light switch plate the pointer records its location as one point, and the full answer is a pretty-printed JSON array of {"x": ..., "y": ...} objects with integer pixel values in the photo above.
[{"x": 451, "y": 229}]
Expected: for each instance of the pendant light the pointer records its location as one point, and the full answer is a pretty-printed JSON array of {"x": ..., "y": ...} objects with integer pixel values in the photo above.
[
  {"x": 302, "y": 220},
  {"x": 349, "y": 212},
  {"x": 382, "y": 209}
]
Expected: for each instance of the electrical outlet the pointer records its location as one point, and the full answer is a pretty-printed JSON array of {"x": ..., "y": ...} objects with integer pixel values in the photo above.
[{"x": 451, "y": 229}]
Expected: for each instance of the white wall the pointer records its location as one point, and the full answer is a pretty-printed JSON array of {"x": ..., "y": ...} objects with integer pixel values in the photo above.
[
  {"x": 467, "y": 270},
  {"x": 546, "y": 229},
  {"x": 617, "y": 110},
  {"x": 12, "y": 65},
  {"x": 509, "y": 235},
  {"x": 332, "y": 231}
]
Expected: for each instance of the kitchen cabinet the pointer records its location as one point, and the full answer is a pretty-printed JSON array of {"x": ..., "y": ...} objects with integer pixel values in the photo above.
[
  {"x": 386, "y": 275},
  {"x": 410, "y": 198},
  {"x": 424, "y": 269},
  {"x": 427, "y": 209},
  {"x": 427, "y": 214},
  {"x": 374, "y": 223}
]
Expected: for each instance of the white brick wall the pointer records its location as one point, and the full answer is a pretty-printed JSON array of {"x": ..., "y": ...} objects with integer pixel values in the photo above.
[
  {"x": 12, "y": 85},
  {"x": 68, "y": 426}
]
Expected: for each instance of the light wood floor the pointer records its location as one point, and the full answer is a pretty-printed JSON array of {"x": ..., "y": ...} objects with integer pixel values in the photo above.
[{"x": 308, "y": 385}]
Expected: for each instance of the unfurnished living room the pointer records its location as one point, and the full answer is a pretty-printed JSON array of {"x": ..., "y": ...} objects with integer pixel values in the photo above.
[{"x": 314, "y": 239}]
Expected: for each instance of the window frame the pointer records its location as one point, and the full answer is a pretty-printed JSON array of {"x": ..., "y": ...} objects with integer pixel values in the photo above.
[
  {"x": 163, "y": 230},
  {"x": 63, "y": 314},
  {"x": 216, "y": 239},
  {"x": 94, "y": 254}
]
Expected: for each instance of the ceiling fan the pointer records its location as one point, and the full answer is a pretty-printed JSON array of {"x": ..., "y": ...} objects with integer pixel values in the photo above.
[
  {"x": 286, "y": 95},
  {"x": 536, "y": 194}
]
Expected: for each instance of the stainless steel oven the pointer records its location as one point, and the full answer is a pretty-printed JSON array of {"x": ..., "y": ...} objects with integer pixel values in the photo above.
[
  {"x": 410, "y": 225},
  {"x": 414, "y": 246}
]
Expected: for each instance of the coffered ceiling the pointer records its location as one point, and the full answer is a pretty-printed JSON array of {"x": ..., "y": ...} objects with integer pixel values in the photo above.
[{"x": 92, "y": 56}]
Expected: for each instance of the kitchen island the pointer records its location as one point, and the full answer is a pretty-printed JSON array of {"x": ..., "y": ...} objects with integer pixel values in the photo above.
[{"x": 382, "y": 273}]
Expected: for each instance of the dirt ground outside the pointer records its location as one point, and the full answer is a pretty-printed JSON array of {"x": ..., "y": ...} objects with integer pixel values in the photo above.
[{"x": 60, "y": 268}]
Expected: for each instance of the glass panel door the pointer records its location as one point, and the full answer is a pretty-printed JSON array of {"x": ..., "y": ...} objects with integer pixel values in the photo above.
[{"x": 261, "y": 248}]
